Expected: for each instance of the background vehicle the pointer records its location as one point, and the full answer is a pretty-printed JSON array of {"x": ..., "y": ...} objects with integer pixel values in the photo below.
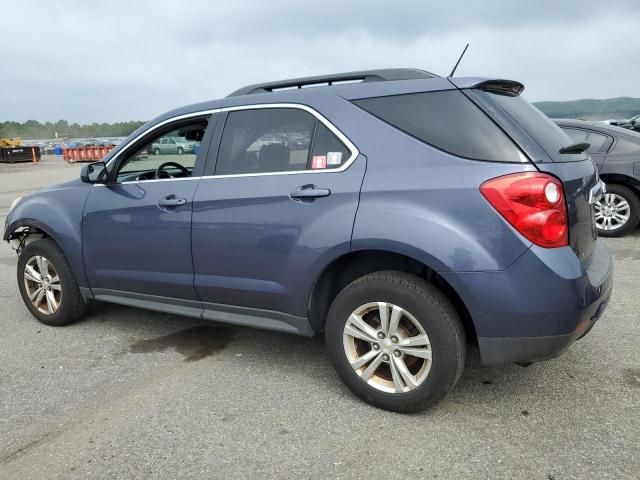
[
  {"x": 172, "y": 145},
  {"x": 632, "y": 124},
  {"x": 615, "y": 122},
  {"x": 616, "y": 153},
  {"x": 394, "y": 215},
  {"x": 10, "y": 142}
]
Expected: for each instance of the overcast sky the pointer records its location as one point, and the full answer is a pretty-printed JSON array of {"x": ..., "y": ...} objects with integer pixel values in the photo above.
[{"x": 96, "y": 60}]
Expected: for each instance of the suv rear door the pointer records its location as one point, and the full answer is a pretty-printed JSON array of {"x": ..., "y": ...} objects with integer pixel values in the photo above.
[{"x": 277, "y": 202}]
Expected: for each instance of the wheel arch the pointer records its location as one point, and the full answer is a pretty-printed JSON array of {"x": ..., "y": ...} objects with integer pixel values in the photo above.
[
  {"x": 344, "y": 269},
  {"x": 624, "y": 180},
  {"x": 56, "y": 214}
]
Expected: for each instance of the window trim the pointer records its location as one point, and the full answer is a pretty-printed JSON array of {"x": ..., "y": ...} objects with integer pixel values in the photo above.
[
  {"x": 202, "y": 113},
  {"x": 142, "y": 139}
]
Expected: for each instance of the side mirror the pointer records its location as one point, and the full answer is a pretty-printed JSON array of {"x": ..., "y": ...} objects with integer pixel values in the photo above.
[{"x": 93, "y": 172}]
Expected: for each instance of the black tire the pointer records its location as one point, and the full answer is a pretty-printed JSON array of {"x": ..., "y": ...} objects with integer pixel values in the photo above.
[
  {"x": 430, "y": 308},
  {"x": 634, "y": 210},
  {"x": 156, "y": 151},
  {"x": 180, "y": 150},
  {"x": 71, "y": 305}
]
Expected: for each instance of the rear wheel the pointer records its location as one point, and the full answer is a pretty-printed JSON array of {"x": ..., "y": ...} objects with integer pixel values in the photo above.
[
  {"x": 47, "y": 284},
  {"x": 617, "y": 212},
  {"x": 396, "y": 341}
]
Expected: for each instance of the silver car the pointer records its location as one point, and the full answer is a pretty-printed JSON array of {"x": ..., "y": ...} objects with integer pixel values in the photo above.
[{"x": 172, "y": 145}]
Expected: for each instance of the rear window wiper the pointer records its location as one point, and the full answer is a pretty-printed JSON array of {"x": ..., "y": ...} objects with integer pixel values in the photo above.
[{"x": 575, "y": 148}]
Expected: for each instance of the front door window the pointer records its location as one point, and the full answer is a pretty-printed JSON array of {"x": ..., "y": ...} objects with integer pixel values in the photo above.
[{"x": 171, "y": 154}]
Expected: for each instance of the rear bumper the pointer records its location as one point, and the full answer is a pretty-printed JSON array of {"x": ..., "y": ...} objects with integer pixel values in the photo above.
[
  {"x": 539, "y": 306},
  {"x": 496, "y": 350}
]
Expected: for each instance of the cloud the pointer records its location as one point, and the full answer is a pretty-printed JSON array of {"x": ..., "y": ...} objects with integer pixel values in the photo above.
[{"x": 108, "y": 61}]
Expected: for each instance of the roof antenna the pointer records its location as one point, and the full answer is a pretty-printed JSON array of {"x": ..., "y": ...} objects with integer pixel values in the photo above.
[{"x": 458, "y": 62}]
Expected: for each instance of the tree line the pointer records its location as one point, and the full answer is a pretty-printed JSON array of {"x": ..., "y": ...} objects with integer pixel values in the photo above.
[{"x": 32, "y": 129}]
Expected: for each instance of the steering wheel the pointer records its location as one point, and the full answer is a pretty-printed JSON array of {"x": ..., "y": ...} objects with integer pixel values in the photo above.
[{"x": 160, "y": 169}]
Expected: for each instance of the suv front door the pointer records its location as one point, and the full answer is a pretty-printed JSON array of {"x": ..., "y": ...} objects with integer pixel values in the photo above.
[
  {"x": 279, "y": 202},
  {"x": 137, "y": 229}
]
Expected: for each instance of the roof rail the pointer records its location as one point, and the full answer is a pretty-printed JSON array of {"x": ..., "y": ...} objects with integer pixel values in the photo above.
[{"x": 382, "y": 75}]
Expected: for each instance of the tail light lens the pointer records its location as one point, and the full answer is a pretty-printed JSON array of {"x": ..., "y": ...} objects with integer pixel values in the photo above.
[{"x": 534, "y": 204}]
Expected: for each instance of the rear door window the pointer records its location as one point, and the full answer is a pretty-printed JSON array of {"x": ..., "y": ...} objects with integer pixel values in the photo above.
[
  {"x": 447, "y": 120},
  {"x": 271, "y": 140}
]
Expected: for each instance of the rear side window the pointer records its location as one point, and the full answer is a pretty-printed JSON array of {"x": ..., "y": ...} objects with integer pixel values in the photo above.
[
  {"x": 446, "y": 120},
  {"x": 270, "y": 140},
  {"x": 595, "y": 140}
]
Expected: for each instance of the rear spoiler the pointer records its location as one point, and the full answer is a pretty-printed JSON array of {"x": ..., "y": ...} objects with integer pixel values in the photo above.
[{"x": 509, "y": 88}]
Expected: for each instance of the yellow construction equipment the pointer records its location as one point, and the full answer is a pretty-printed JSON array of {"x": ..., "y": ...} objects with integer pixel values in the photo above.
[{"x": 10, "y": 142}]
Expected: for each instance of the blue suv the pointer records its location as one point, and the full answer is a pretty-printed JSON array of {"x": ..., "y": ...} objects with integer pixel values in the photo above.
[{"x": 403, "y": 215}]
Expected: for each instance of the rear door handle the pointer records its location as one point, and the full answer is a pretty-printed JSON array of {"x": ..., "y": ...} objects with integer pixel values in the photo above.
[
  {"x": 171, "y": 201},
  {"x": 309, "y": 192}
]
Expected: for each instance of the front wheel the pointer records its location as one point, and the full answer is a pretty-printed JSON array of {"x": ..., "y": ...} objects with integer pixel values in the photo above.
[
  {"x": 47, "y": 284},
  {"x": 617, "y": 212},
  {"x": 396, "y": 341}
]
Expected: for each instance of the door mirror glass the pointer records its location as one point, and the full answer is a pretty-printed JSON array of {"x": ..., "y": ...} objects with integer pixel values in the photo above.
[{"x": 93, "y": 173}]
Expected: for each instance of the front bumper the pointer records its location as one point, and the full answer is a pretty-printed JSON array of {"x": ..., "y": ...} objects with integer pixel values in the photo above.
[{"x": 539, "y": 306}]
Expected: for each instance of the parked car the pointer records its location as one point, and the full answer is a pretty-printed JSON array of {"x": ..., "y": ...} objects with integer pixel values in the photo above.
[
  {"x": 172, "y": 146},
  {"x": 616, "y": 153},
  {"x": 633, "y": 123},
  {"x": 411, "y": 226},
  {"x": 615, "y": 122}
]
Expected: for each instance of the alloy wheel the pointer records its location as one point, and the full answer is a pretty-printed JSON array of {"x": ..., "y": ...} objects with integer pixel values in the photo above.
[
  {"x": 612, "y": 212},
  {"x": 387, "y": 347},
  {"x": 42, "y": 284}
]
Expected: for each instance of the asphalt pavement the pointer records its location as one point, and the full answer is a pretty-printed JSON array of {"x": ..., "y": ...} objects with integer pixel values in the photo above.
[{"x": 128, "y": 393}]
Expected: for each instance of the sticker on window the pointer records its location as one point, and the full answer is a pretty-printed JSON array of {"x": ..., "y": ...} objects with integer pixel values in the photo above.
[
  {"x": 319, "y": 161},
  {"x": 334, "y": 158}
]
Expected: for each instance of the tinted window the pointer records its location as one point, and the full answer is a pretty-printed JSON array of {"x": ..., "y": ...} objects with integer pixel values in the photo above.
[
  {"x": 576, "y": 136},
  {"x": 544, "y": 131},
  {"x": 447, "y": 120},
  {"x": 596, "y": 141},
  {"x": 276, "y": 140},
  {"x": 328, "y": 151}
]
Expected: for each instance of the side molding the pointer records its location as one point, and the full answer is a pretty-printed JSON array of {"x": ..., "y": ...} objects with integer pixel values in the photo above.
[{"x": 231, "y": 314}]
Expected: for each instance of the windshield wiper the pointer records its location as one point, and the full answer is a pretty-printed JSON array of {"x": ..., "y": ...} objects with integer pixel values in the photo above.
[{"x": 575, "y": 148}]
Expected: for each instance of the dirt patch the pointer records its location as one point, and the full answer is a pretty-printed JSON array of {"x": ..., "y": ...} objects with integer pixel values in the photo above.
[
  {"x": 193, "y": 343},
  {"x": 631, "y": 376}
]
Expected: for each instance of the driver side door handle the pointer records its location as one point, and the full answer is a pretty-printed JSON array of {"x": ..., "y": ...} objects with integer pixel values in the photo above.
[
  {"x": 309, "y": 192},
  {"x": 171, "y": 201}
]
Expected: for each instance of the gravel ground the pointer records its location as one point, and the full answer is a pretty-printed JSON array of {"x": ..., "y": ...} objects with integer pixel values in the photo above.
[{"x": 128, "y": 393}]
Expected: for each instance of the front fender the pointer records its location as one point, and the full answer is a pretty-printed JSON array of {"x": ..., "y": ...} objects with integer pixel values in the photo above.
[{"x": 58, "y": 213}]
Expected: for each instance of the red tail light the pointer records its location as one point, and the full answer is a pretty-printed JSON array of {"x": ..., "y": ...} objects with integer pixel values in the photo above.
[{"x": 533, "y": 203}]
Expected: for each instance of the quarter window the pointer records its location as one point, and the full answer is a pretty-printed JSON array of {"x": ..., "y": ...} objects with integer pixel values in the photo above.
[
  {"x": 595, "y": 140},
  {"x": 448, "y": 120},
  {"x": 277, "y": 140}
]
